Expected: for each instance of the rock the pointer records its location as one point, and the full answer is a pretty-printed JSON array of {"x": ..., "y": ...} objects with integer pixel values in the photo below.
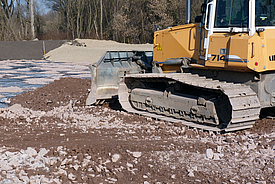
[
  {"x": 173, "y": 176},
  {"x": 113, "y": 179},
  {"x": 191, "y": 174},
  {"x": 56, "y": 180},
  {"x": 129, "y": 165},
  {"x": 34, "y": 179},
  {"x": 178, "y": 124},
  {"x": 22, "y": 173},
  {"x": 119, "y": 175},
  {"x": 53, "y": 161},
  {"x": 25, "y": 179},
  {"x": 209, "y": 153},
  {"x": 217, "y": 156},
  {"x": 9, "y": 154},
  {"x": 252, "y": 146},
  {"x": 219, "y": 149},
  {"x": 7, "y": 181},
  {"x": 116, "y": 157},
  {"x": 71, "y": 176},
  {"x": 269, "y": 170},
  {"x": 59, "y": 148},
  {"x": 42, "y": 152},
  {"x": 61, "y": 172},
  {"x": 62, "y": 153},
  {"x": 162, "y": 126},
  {"x": 31, "y": 152},
  {"x": 66, "y": 161},
  {"x": 261, "y": 182},
  {"x": 4, "y": 166},
  {"x": 15, "y": 108},
  {"x": 136, "y": 154},
  {"x": 15, "y": 179},
  {"x": 228, "y": 140},
  {"x": 76, "y": 167},
  {"x": 190, "y": 133},
  {"x": 85, "y": 178},
  {"x": 85, "y": 162}
]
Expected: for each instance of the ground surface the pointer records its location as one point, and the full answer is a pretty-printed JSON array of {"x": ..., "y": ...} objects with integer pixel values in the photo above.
[
  {"x": 63, "y": 141},
  {"x": 49, "y": 136}
]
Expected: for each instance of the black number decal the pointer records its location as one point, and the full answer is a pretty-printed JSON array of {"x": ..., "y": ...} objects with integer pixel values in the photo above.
[
  {"x": 222, "y": 57},
  {"x": 214, "y": 57}
]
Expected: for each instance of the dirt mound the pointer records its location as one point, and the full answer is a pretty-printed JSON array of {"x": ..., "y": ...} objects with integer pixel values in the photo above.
[
  {"x": 59, "y": 93},
  {"x": 263, "y": 126}
]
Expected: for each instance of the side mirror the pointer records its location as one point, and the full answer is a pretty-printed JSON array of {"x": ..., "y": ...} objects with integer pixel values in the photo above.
[
  {"x": 198, "y": 19},
  {"x": 203, "y": 8}
]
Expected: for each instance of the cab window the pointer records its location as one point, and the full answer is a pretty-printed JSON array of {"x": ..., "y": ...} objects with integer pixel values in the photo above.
[
  {"x": 265, "y": 13},
  {"x": 232, "y": 13}
]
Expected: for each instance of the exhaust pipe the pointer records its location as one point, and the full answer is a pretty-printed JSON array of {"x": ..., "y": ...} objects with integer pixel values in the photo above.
[{"x": 188, "y": 12}]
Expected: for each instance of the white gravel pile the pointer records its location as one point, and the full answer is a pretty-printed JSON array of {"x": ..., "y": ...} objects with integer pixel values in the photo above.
[
  {"x": 14, "y": 166},
  {"x": 88, "y": 50},
  {"x": 77, "y": 116}
]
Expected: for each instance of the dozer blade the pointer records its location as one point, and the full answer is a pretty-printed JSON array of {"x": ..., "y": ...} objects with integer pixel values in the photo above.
[{"x": 111, "y": 68}]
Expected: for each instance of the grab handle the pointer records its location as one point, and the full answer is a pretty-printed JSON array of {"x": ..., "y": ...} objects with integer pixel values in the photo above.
[{"x": 252, "y": 52}]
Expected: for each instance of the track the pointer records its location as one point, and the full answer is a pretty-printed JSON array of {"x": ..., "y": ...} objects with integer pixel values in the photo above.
[{"x": 244, "y": 101}]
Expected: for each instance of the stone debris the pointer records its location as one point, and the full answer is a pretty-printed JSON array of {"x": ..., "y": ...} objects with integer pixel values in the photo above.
[
  {"x": 136, "y": 154},
  {"x": 17, "y": 164},
  {"x": 116, "y": 157},
  {"x": 209, "y": 153},
  {"x": 191, "y": 174}
]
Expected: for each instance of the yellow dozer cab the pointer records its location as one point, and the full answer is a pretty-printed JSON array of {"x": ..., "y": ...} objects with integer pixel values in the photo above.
[{"x": 216, "y": 74}]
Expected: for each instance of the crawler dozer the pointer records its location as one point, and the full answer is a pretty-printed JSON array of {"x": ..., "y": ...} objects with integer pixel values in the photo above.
[{"x": 215, "y": 74}]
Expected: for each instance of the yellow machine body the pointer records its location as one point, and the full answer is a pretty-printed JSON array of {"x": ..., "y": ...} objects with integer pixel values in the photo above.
[{"x": 229, "y": 51}]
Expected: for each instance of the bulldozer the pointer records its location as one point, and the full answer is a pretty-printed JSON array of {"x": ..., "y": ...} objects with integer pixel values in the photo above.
[{"x": 215, "y": 74}]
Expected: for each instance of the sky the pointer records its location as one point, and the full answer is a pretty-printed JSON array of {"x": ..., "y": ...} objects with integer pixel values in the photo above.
[{"x": 40, "y": 4}]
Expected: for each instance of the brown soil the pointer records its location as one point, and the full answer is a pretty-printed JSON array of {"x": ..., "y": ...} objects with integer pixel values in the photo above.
[
  {"x": 150, "y": 138},
  {"x": 59, "y": 93}
]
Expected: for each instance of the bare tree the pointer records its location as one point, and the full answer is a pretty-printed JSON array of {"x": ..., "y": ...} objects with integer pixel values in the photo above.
[
  {"x": 19, "y": 15},
  {"x": 32, "y": 20},
  {"x": 6, "y": 12},
  {"x": 130, "y": 21}
]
